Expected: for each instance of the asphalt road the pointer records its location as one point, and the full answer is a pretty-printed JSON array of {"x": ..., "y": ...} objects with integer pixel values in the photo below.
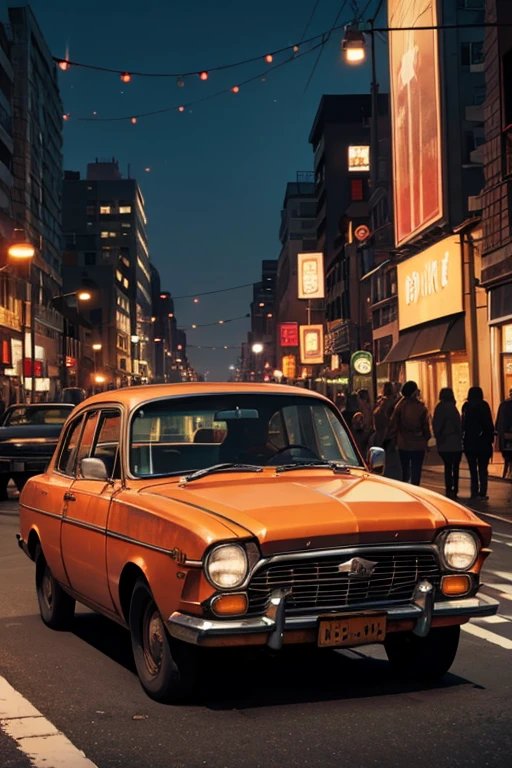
[{"x": 341, "y": 709}]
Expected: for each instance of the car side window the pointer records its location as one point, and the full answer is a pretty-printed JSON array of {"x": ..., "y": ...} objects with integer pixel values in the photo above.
[
  {"x": 106, "y": 445},
  {"x": 66, "y": 463},
  {"x": 85, "y": 447}
]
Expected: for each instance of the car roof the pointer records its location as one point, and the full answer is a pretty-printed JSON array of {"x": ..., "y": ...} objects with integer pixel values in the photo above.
[
  {"x": 41, "y": 405},
  {"x": 131, "y": 397}
]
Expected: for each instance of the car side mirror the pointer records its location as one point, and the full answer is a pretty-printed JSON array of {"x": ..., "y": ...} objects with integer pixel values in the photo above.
[
  {"x": 94, "y": 469},
  {"x": 376, "y": 460}
]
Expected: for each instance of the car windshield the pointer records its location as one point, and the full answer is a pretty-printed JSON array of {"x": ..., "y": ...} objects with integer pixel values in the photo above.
[
  {"x": 36, "y": 414},
  {"x": 180, "y": 435}
]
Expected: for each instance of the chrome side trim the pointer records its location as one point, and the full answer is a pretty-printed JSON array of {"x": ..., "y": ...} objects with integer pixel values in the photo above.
[
  {"x": 194, "y": 629},
  {"x": 41, "y": 511}
]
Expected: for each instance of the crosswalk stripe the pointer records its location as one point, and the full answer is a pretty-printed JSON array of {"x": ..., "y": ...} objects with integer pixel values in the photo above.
[
  {"x": 34, "y": 735},
  {"x": 494, "y": 619},
  {"x": 486, "y": 634}
]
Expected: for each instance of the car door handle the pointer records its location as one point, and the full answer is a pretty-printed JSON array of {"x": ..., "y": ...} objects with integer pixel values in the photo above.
[{"x": 69, "y": 497}]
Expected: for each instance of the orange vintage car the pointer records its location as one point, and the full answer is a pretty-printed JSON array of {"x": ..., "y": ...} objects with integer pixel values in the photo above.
[{"x": 242, "y": 514}]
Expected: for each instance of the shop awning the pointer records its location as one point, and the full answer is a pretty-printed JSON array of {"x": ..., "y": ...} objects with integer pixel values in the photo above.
[
  {"x": 402, "y": 349},
  {"x": 447, "y": 336}
]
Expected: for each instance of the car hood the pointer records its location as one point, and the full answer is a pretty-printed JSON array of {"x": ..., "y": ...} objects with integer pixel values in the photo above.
[{"x": 311, "y": 510}]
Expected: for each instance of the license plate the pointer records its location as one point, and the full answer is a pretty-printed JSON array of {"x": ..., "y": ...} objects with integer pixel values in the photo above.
[
  {"x": 353, "y": 630},
  {"x": 18, "y": 466}
]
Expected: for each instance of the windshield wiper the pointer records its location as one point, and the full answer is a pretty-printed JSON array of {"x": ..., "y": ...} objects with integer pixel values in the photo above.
[
  {"x": 338, "y": 469},
  {"x": 229, "y": 467}
]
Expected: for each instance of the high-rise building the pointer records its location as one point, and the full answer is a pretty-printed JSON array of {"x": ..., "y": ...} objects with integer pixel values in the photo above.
[
  {"x": 167, "y": 348},
  {"x": 36, "y": 190},
  {"x": 497, "y": 193},
  {"x": 106, "y": 251},
  {"x": 259, "y": 366},
  {"x": 297, "y": 234}
]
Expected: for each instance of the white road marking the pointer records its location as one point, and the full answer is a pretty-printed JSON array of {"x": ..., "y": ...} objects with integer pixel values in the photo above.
[
  {"x": 494, "y": 619},
  {"x": 486, "y": 634},
  {"x": 505, "y": 575},
  {"x": 35, "y": 736},
  {"x": 503, "y": 543},
  {"x": 494, "y": 517},
  {"x": 504, "y": 535}
]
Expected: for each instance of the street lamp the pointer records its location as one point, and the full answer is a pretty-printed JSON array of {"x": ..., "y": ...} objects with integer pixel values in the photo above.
[
  {"x": 257, "y": 348},
  {"x": 353, "y": 45}
]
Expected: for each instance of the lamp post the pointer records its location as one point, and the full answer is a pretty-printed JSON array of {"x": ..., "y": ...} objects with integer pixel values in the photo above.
[
  {"x": 20, "y": 250},
  {"x": 257, "y": 349}
]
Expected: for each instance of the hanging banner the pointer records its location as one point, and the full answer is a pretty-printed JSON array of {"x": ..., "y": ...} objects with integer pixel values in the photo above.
[
  {"x": 289, "y": 366},
  {"x": 310, "y": 270},
  {"x": 312, "y": 344},
  {"x": 289, "y": 334},
  {"x": 362, "y": 363}
]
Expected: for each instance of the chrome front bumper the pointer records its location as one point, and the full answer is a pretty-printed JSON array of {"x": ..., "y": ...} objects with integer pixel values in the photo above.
[{"x": 274, "y": 623}]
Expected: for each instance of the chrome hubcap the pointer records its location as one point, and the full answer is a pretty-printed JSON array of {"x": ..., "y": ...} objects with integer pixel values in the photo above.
[{"x": 47, "y": 588}]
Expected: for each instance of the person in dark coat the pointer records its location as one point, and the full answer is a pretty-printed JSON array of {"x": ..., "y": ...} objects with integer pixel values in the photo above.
[
  {"x": 361, "y": 433},
  {"x": 478, "y": 439},
  {"x": 504, "y": 432},
  {"x": 448, "y": 433},
  {"x": 351, "y": 409},
  {"x": 410, "y": 425}
]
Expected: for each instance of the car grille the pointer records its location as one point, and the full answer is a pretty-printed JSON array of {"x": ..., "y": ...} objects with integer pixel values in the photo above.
[{"x": 318, "y": 584}]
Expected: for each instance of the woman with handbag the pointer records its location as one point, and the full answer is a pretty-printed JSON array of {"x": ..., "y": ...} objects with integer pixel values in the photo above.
[
  {"x": 448, "y": 433},
  {"x": 478, "y": 440},
  {"x": 504, "y": 432}
]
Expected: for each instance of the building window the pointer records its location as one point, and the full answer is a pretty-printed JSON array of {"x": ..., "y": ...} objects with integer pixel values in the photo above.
[
  {"x": 122, "y": 363},
  {"x": 125, "y": 282},
  {"x": 471, "y": 54},
  {"x": 91, "y": 210},
  {"x": 89, "y": 259},
  {"x": 126, "y": 225},
  {"x": 105, "y": 209},
  {"x": 119, "y": 276},
  {"x": 125, "y": 209}
]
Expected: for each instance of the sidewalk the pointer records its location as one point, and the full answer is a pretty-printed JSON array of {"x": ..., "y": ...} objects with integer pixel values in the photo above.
[{"x": 500, "y": 491}]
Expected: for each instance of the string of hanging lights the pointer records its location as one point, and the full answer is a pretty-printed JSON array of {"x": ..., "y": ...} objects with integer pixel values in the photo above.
[
  {"x": 217, "y": 322},
  {"x": 133, "y": 118}
]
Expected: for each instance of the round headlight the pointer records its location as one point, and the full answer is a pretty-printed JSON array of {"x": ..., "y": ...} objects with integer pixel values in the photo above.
[
  {"x": 460, "y": 550},
  {"x": 227, "y": 566}
]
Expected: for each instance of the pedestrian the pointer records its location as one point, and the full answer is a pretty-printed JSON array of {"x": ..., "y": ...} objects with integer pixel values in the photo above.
[
  {"x": 341, "y": 402},
  {"x": 478, "y": 439},
  {"x": 351, "y": 409},
  {"x": 504, "y": 432},
  {"x": 382, "y": 413},
  {"x": 360, "y": 433},
  {"x": 448, "y": 433},
  {"x": 410, "y": 425},
  {"x": 365, "y": 407}
]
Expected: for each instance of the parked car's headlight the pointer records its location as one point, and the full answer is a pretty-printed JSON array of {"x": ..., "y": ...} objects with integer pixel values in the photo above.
[
  {"x": 460, "y": 550},
  {"x": 227, "y": 566}
]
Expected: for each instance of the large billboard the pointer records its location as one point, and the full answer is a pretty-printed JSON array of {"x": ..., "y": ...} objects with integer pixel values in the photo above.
[
  {"x": 430, "y": 284},
  {"x": 310, "y": 267},
  {"x": 416, "y": 117}
]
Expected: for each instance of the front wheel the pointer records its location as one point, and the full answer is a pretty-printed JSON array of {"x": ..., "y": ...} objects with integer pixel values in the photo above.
[
  {"x": 166, "y": 667},
  {"x": 57, "y": 608},
  {"x": 427, "y": 658}
]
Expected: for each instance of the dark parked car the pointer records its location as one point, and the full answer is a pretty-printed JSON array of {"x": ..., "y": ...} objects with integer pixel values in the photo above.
[{"x": 28, "y": 436}]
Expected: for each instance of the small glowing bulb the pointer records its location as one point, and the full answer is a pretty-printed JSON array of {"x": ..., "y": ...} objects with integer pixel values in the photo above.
[
  {"x": 269, "y": 58},
  {"x": 221, "y": 322},
  {"x": 203, "y": 75},
  {"x": 134, "y": 120},
  {"x": 194, "y": 326},
  {"x": 196, "y": 301},
  {"x": 235, "y": 89},
  {"x": 64, "y": 65},
  {"x": 65, "y": 117},
  {"x": 181, "y": 109},
  {"x": 147, "y": 170},
  {"x": 126, "y": 77},
  {"x": 295, "y": 48},
  {"x": 180, "y": 82},
  {"x": 355, "y": 54}
]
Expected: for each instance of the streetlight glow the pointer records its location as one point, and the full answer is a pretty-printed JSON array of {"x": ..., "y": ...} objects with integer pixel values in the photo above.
[
  {"x": 83, "y": 296},
  {"x": 353, "y": 45},
  {"x": 257, "y": 348},
  {"x": 134, "y": 339},
  {"x": 99, "y": 379},
  {"x": 21, "y": 251},
  {"x": 96, "y": 347}
]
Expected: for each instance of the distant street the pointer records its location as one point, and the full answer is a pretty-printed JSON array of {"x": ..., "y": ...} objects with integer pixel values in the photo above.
[{"x": 296, "y": 710}]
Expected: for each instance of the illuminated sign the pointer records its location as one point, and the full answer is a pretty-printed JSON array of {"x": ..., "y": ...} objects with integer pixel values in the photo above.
[
  {"x": 362, "y": 362},
  {"x": 312, "y": 344},
  {"x": 359, "y": 158},
  {"x": 416, "y": 117},
  {"x": 362, "y": 232},
  {"x": 430, "y": 284},
  {"x": 289, "y": 366},
  {"x": 289, "y": 334},
  {"x": 311, "y": 275}
]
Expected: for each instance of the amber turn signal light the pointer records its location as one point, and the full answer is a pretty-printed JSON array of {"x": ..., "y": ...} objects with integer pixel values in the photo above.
[
  {"x": 458, "y": 584},
  {"x": 229, "y": 605}
]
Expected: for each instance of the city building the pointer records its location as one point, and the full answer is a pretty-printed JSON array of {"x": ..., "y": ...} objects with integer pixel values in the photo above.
[
  {"x": 167, "y": 349},
  {"x": 497, "y": 193},
  {"x": 259, "y": 354},
  {"x": 35, "y": 199},
  {"x": 106, "y": 252},
  {"x": 297, "y": 234},
  {"x": 437, "y": 136}
]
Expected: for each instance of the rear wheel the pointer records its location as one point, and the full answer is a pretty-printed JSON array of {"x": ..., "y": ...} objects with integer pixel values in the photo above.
[
  {"x": 57, "y": 608},
  {"x": 167, "y": 669},
  {"x": 427, "y": 658}
]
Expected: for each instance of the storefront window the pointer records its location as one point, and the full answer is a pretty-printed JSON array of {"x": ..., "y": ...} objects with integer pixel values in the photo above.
[
  {"x": 507, "y": 373},
  {"x": 460, "y": 381},
  {"x": 506, "y": 338}
]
